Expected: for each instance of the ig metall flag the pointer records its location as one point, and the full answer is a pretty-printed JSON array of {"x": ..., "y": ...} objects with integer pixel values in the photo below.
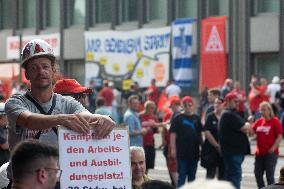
[{"x": 182, "y": 51}]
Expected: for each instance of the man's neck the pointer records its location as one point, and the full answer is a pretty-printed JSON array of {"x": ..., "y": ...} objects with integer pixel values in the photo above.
[
  {"x": 42, "y": 96},
  {"x": 138, "y": 182}
]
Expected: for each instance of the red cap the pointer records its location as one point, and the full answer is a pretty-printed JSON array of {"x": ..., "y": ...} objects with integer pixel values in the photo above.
[
  {"x": 187, "y": 99},
  {"x": 174, "y": 100},
  {"x": 70, "y": 86},
  {"x": 230, "y": 96}
]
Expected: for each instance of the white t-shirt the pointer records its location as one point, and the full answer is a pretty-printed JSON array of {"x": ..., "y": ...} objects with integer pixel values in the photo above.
[
  {"x": 173, "y": 90},
  {"x": 271, "y": 91}
]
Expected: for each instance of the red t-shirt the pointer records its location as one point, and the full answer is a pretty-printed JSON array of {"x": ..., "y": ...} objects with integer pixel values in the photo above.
[
  {"x": 148, "y": 139},
  {"x": 266, "y": 134},
  {"x": 153, "y": 94},
  {"x": 107, "y": 94},
  {"x": 255, "y": 100},
  {"x": 241, "y": 95}
]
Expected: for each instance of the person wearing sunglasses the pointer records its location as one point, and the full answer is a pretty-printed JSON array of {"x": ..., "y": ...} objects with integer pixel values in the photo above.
[
  {"x": 71, "y": 87},
  {"x": 35, "y": 165}
]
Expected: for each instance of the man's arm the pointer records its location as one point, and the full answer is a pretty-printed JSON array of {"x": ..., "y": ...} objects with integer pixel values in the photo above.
[
  {"x": 36, "y": 121},
  {"x": 81, "y": 122}
]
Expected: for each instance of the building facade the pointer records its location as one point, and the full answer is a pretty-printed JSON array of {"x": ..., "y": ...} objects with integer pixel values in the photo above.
[{"x": 255, "y": 28}]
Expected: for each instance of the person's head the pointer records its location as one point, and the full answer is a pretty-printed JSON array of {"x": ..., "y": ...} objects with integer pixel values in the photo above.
[
  {"x": 263, "y": 81},
  {"x": 208, "y": 184},
  {"x": 153, "y": 82},
  {"x": 281, "y": 176},
  {"x": 105, "y": 83},
  {"x": 282, "y": 84},
  {"x": 218, "y": 104},
  {"x": 138, "y": 165},
  {"x": 174, "y": 103},
  {"x": 187, "y": 104},
  {"x": 133, "y": 102},
  {"x": 3, "y": 117},
  {"x": 38, "y": 60},
  {"x": 150, "y": 107},
  {"x": 156, "y": 184},
  {"x": 213, "y": 94},
  {"x": 228, "y": 82},
  {"x": 237, "y": 85},
  {"x": 266, "y": 110},
  {"x": 231, "y": 101},
  {"x": 100, "y": 101},
  {"x": 71, "y": 87},
  {"x": 275, "y": 80},
  {"x": 35, "y": 163}
]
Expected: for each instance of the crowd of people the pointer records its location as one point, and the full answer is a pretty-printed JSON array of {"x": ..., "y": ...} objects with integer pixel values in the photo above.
[{"x": 213, "y": 128}]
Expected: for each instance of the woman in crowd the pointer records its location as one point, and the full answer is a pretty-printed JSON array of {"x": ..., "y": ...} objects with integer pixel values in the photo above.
[
  {"x": 268, "y": 132},
  {"x": 210, "y": 156},
  {"x": 149, "y": 120}
]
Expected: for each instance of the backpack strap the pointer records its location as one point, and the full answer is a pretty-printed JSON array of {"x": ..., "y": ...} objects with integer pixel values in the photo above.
[{"x": 42, "y": 111}]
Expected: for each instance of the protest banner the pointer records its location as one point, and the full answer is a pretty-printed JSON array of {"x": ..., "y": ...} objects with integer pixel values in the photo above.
[
  {"x": 138, "y": 55},
  {"x": 91, "y": 163}
]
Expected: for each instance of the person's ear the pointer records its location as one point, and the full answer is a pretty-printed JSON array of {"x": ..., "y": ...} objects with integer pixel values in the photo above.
[
  {"x": 41, "y": 176},
  {"x": 27, "y": 74}
]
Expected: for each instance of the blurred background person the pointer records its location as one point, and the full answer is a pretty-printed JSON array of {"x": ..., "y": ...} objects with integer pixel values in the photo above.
[
  {"x": 279, "y": 184},
  {"x": 271, "y": 91},
  {"x": 101, "y": 108},
  {"x": 71, "y": 87},
  {"x": 185, "y": 141},
  {"x": 213, "y": 161},
  {"x": 268, "y": 132},
  {"x": 150, "y": 122}
]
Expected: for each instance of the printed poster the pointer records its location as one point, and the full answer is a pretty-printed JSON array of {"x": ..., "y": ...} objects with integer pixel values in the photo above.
[
  {"x": 138, "y": 55},
  {"x": 88, "y": 162}
]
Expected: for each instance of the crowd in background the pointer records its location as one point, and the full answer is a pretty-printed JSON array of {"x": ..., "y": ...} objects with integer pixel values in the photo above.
[{"x": 191, "y": 126}]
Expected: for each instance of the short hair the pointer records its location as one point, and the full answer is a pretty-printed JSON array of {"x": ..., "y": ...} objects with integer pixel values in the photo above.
[
  {"x": 156, "y": 184},
  {"x": 208, "y": 184},
  {"x": 137, "y": 149},
  {"x": 131, "y": 98},
  {"x": 30, "y": 155},
  {"x": 215, "y": 91},
  {"x": 100, "y": 101}
]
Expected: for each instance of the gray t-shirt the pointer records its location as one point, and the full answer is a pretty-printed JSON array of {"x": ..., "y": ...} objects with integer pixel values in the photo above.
[{"x": 19, "y": 103}]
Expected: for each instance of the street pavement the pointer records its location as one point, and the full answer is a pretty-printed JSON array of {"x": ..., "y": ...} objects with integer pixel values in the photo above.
[{"x": 248, "y": 180}]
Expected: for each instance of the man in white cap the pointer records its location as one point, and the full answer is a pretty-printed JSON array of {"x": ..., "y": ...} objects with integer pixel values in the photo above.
[{"x": 37, "y": 113}]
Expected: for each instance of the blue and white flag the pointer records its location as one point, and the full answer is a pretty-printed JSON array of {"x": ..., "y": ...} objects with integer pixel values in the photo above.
[{"x": 182, "y": 51}]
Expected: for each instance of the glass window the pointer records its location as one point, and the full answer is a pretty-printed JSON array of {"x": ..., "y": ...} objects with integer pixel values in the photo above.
[
  {"x": 103, "y": 11},
  {"x": 129, "y": 10},
  {"x": 264, "y": 6},
  {"x": 157, "y": 9},
  {"x": 29, "y": 13},
  {"x": 77, "y": 12},
  {"x": 187, "y": 8},
  {"x": 218, "y": 7},
  {"x": 53, "y": 13},
  {"x": 267, "y": 65},
  {"x": 76, "y": 70},
  {"x": 6, "y": 14}
]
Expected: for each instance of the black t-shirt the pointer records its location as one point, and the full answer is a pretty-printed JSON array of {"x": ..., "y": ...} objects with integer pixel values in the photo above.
[
  {"x": 232, "y": 140},
  {"x": 188, "y": 135},
  {"x": 211, "y": 124},
  {"x": 4, "y": 154}
]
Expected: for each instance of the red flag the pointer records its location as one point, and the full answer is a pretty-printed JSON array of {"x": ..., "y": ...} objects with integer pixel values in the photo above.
[{"x": 213, "y": 67}]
